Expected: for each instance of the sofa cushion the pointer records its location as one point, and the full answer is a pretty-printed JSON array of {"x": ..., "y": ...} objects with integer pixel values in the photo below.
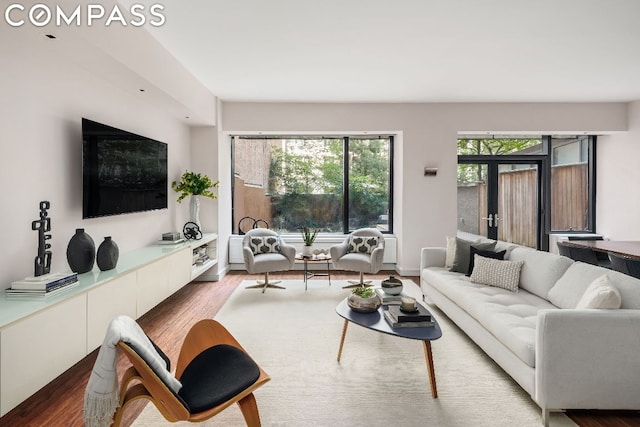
[
  {"x": 505, "y": 246},
  {"x": 601, "y": 293},
  {"x": 463, "y": 253},
  {"x": 572, "y": 285},
  {"x": 487, "y": 254},
  {"x": 541, "y": 270},
  {"x": 509, "y": 316},
  {"x": 494, "y": 272},
  {"x": 451, "y": 252}
]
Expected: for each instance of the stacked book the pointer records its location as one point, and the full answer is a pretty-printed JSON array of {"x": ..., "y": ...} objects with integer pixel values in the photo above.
[
  {"x": 42, "y": 286},
  {"x": 397, "y": 318},
  {"x": 172, "y": 238},
  {"x": 390, "y": 299},
  {"x": 200, "y": 255}
]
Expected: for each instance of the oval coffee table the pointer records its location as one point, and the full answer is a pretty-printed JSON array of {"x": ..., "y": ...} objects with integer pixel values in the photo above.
[{"x": 375, "y": 321}]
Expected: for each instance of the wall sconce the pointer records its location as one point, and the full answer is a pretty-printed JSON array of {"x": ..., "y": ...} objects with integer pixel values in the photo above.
[{"x": 430, "y": 171}]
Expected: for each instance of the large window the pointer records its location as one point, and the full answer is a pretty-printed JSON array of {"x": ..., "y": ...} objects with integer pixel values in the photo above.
[
  {"x": 572, "y": 183},
  {"x": 336, "y": 184},
  {"x": 521, "y": 188}
]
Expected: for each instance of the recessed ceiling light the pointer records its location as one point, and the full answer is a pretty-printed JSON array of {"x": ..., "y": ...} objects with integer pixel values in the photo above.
[{"x": 50, "y": 36}]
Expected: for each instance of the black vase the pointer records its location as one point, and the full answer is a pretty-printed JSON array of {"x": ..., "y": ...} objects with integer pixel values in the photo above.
[
  {"x": 107, "y": 255},
  {"x": 81, "y": 252}
]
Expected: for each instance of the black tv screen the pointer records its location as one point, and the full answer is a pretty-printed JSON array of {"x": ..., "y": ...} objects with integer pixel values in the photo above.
[{"x": 121, "y": 172}]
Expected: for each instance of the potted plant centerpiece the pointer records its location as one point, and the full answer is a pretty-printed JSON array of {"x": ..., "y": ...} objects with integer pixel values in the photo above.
[
  {"x": 364, "y": 299},
  {"x": 194, "y": 185},
  {"x": 308, "y": 236}
]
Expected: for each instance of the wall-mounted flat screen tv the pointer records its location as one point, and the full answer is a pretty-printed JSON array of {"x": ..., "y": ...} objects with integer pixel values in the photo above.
[{"x": 121, "y": 172}]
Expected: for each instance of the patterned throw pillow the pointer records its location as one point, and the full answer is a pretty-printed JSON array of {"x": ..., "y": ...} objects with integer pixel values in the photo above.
[
  {"x": 362, "y": 244},
  {"x": 487, "y": 254},
  {"x": 493, "y": 272},
  {"x": 264, "y": 245}
]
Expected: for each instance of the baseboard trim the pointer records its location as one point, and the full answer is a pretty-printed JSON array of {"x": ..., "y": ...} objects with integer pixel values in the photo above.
[
  {"x": 407, "y": 271},
  {"x": 211, "y": 277}
]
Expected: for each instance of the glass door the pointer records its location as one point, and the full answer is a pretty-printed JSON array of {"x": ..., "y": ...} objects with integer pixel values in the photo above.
[{"x": 500, "y": 200}]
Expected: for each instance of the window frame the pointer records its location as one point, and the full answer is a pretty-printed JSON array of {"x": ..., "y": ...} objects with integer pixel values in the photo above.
[
  {"x": 591, "y": 187},
  {"x": 547, "y": 159},
  {"x": 346, "y": 169}
]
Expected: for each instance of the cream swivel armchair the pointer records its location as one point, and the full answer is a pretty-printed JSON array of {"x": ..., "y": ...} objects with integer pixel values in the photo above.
[
  {"x": 264, "y": 252},
  {"x": 361, "y": 251}
]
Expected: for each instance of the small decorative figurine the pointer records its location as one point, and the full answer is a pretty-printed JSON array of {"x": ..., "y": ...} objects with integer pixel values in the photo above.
[
  {"x": 42, "y": 263},
  {"x": 192, "y": 231}
]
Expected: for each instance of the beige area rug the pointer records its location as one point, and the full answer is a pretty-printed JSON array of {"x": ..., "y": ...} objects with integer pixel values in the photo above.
[{"x": 381, "y": 380}]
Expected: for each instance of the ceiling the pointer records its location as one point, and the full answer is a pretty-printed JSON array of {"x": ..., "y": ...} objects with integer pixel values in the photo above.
[{"x": 408, "y": 50}]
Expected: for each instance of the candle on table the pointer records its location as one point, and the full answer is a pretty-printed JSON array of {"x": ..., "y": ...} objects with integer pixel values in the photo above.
[{"x": 408, "y": 303}]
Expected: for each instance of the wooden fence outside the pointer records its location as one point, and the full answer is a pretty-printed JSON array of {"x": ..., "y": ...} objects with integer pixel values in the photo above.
[{"x": 518, "y": 204}]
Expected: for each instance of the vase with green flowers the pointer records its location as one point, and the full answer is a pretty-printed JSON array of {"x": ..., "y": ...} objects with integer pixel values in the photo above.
[
  {"x": 308, "y": 237},
  {"x": 194, "y": 185}
]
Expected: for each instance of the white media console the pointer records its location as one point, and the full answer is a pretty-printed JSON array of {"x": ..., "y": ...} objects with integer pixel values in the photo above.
[{"x": 41, "y": 338}]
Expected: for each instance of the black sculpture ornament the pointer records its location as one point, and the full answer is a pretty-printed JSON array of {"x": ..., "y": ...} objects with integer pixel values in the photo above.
[
  {"x": 252, "y": 222},
  {"x": 191, "y": 231},
  {"x": 42, "y": 262}
]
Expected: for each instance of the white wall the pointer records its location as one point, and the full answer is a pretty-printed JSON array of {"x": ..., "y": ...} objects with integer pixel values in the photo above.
[
  {"x": 204, "y": 156},
  {"x": 45, "y": 91},
  {"x": 618, "y": 200},
  {"x": 425, "y": 207},
  {"x": 47, "y": 86}
]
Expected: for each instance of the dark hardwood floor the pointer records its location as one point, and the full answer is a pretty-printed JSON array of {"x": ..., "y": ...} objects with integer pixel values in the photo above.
[{"x": 60, "y": 402}]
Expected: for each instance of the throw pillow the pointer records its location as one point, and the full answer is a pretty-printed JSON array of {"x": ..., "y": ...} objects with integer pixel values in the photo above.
[
  {"x": 362, "y": 244},
  {"x": 451, "y": 252},
  {"x": 493, "y": 272},
  {"x": 463, "y": 253},
  {"x": 487, "y": 254},
  {"x": 264, "y": 245},
  {"x": 601, "y": 293}
]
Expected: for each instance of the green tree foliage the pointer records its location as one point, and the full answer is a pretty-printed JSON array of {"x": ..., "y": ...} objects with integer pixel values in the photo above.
[
  {"x": 469, "y": 173},
  {"x": 306, "y": 182},
  {"x": 494, "y": 147}
]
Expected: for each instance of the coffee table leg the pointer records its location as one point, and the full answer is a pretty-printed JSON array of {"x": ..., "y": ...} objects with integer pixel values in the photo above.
[
  {"x": 344, "y": 334},
  {"x": 432, "y": 373}
]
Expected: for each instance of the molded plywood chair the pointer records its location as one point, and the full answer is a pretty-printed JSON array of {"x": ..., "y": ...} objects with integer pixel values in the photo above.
[
  {"x": 564, "y": 250},
  {"x": 603, "y": 259},
  {"x": 618, "y": 263},
  {"x": 578, "y": 253},
  {"x": 633, "y": 265},
  {"x": 626, "y": 265},
  {"x": 214, "y": 370},
  {"x": 361, "y": 251},
  {"x": 264, "y": 252}
]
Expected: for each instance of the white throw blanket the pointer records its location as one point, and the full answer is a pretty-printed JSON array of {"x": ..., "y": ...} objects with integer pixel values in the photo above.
[{"x": 101, "y": 397}]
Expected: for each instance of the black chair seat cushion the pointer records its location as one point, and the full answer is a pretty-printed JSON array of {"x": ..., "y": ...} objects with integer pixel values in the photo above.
[
  {"x": 162, "y": 354},
  {"x": 216, "y": 375}
]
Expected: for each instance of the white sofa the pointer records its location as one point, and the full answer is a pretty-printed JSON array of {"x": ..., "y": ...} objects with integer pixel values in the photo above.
[{"x": 565, "y": 358}]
